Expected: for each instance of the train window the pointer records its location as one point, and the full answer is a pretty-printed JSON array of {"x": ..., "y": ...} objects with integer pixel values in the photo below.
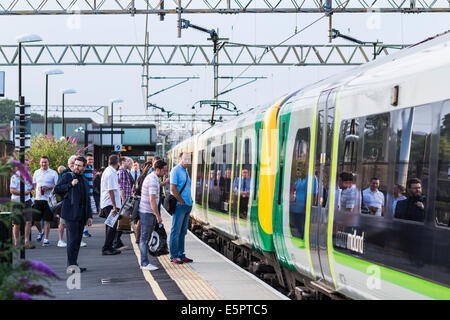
[
  {"x": 299, "y": 183},
  {"x": 375, "y": 164},
  {"x": 199, "y": 180},
  {"x": 414, "y": 129},
  {"x": 442, "y": 203},
  {"x": 245, "y": 180},
  {"x": 347, "y": 197},
  {"x": 282, "y": 151},
  {"x": 224, "y": 178}
]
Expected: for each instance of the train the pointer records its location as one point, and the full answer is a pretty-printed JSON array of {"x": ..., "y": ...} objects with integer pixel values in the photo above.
[{"x": 268, "y": 188}]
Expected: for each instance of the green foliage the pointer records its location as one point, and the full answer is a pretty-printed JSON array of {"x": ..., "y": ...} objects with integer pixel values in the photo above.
[
  {"x": 20, "y": 280},
  {"x": 58, "y": 151}
]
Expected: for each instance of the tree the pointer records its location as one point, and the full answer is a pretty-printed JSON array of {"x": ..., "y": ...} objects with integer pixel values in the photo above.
[{"x": 7, "y": 111}]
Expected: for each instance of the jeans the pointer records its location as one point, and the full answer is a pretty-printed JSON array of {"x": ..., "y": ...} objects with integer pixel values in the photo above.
[
  {"x": 148, "y": 221},
  {"x": 178, "y": 232}
]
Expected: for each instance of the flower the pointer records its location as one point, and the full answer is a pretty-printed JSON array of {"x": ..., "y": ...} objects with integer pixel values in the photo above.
[
  {"x": 40, "y": 267},
  {"x": 22, "y": 296},
  {"x": 22, "y": 170}
]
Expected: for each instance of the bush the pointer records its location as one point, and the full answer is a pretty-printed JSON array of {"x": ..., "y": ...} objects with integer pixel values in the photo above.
[
  {"x": 57, "y": 151},
  {"x": 19, "y": 280}
]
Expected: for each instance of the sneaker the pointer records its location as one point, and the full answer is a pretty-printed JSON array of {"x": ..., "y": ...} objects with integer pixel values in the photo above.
[
  {"x": 45, "y": 243},
  {"x": 62, "y": 244},
  {"x": 83, "y": 244},
  {"x": 187, "y": 260},
  {"x": 150, "y": 267},
  {"x": 39, "y": 237},
  {"x": 177, "y": 261},
  {"x": 86, "y": 234},
  {"x": 29, "y": 246}
]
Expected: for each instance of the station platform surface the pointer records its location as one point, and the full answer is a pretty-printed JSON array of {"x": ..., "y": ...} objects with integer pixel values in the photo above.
[{"x": 210, "y": 277}]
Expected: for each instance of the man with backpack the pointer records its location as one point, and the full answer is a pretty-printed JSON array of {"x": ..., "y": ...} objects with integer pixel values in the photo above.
[{"x": 76, "y": 208}]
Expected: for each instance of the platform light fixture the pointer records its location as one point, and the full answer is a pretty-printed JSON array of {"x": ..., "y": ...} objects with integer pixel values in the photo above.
[
  {"x": 48, "y": 73},
  {"x": 64, "y": 92}
]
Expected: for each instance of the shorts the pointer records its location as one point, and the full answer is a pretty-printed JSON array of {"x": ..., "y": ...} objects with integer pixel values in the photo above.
[
  {"x": 44, "y": 211},
  {"x": 26, "y": 213}
]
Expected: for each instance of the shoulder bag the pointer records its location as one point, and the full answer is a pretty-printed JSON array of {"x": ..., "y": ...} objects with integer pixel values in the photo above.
[{"x": 170, "y": 202}]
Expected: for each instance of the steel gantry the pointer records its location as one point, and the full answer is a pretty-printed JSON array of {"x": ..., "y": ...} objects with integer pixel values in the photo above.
[
  {"x": 232, "y": 54},
  {"x": 161, "y": 7}
]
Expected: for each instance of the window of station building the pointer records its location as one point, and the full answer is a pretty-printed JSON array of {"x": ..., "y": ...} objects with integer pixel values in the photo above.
[
  {"x": 414, "y": 132},
  {"x": 375, "y": 164},
  {"x": 299, "y": 183},
  {"x": 199, "y": 178},
  {"x": 442, "y": 203},
  {"x": 136, "y": 136}
]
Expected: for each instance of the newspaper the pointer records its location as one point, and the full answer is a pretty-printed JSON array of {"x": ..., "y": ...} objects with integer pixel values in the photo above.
[{"x": 111, "y": 220}]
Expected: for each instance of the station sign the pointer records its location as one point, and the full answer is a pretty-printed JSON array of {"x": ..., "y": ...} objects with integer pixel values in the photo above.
[{"x": 117, "y": 148}]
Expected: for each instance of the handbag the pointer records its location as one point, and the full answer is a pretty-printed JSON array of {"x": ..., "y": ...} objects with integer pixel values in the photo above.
[
  {"x": 170, "y": 202},
  {"x": 131, "y": 207}
]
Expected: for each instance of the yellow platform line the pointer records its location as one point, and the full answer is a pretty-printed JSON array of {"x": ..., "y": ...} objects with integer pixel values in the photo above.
[{"x": 147, "y": 274}]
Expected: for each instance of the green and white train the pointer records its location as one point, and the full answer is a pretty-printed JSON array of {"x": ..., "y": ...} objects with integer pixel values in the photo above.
[{"x": 266, "y": 184}]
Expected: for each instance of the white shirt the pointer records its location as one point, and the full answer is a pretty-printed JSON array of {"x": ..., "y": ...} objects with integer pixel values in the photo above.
[
  {"x": 374, "y": 199},
  {"x": 110, "y": 181},
  {"x": 150, "y": 186},
  {"x": 48, "y": 178},
  {"x": 15, "y": 184}
]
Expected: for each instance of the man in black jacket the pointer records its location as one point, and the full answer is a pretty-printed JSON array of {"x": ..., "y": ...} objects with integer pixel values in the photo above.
[
  {"x": 413, "y": 207},
  {"x": 76, "y": 208}
]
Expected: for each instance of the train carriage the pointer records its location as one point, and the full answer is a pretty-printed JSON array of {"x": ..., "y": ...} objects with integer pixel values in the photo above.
[{"x": 387, "y": 120}]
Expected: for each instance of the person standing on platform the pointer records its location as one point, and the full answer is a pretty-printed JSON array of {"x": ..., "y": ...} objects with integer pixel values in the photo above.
[
  {"x": 76, "y": 208},
  {"x": 97, "y": 187},
  {"x": 26, "y": 214},
  {"x": 89, "y": 174},
  {"x": 180, "y": 182},
  {"x": 136, "y": 171},
  {"x": 148, "y": 211},
  {"x": 110, "y": 201},
  {"x": 44, "y": 180},
  {"x": 62, "y": 224},
  {"x": 126, "y": 188}
]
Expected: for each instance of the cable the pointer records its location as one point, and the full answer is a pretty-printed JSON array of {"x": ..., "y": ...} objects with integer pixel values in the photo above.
[{"x": 287, "y": 39}]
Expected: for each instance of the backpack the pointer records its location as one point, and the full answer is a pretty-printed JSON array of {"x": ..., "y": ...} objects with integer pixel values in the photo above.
[{"x": 157, "y": 246}]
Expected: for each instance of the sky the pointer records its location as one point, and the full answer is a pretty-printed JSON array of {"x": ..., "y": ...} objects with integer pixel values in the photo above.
[{"x": 97, "y": 85}]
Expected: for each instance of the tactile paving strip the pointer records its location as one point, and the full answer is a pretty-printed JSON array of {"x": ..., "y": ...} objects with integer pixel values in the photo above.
[{"x": 193, "y": 286}]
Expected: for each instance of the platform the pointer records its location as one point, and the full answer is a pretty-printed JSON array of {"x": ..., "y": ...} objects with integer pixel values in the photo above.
[{"x": 210, "y": 277}]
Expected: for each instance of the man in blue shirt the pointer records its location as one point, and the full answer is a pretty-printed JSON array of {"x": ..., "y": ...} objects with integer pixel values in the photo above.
[{"x": 180, "y": 182}]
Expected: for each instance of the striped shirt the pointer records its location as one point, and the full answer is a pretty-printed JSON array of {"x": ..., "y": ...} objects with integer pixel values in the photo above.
[
  {"x": 150, "y": 186},
  {"x": 125, "y": 182}
]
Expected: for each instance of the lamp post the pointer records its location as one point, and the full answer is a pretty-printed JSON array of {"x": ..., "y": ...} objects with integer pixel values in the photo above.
[
  {"x": 48, "y": 73},
  {"x": 112, "y": 118},
  {"x": 64, "y": 92},
  {"x": 22, "y": 123}
]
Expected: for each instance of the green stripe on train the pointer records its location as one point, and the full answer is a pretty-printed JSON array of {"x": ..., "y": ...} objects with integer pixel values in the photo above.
[{"x": 398, "y": 278}]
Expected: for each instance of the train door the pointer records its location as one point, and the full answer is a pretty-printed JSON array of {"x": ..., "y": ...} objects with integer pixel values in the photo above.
[{"x": 318, "y": 229}]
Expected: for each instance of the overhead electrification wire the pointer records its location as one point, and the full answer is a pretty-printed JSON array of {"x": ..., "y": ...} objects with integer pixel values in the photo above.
[{"x": 287, "y": 39}]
